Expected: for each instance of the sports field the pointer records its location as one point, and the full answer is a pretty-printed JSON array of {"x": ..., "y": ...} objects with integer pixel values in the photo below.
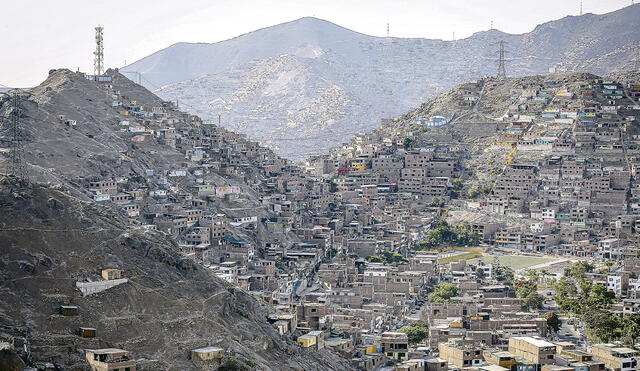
[{"x": 514, "y": 261}]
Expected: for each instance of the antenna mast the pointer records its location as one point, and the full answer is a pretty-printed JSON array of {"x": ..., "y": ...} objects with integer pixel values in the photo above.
[
  {"x": 502, "y": 71},
  {"x": 98, "y": 59}
]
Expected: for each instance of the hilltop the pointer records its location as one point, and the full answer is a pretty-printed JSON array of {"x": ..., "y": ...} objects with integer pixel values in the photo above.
[{"x": 298, "y": 86}]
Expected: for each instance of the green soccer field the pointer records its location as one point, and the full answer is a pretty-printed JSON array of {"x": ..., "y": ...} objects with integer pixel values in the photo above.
[{"x": 514, "y": 261}]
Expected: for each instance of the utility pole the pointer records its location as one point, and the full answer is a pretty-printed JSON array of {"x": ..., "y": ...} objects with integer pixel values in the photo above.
[
  {"x": 98, "y": 55},
  {"x": 502, "y": 71}
]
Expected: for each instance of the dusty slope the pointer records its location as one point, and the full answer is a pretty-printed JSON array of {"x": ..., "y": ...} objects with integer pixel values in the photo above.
[{"x": 49, "y": 240}]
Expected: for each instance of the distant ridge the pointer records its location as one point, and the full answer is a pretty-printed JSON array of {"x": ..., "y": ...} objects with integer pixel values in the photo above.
[{"x": 315, "y": 81}]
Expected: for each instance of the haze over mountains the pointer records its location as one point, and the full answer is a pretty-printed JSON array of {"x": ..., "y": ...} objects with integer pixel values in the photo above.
[{"x": 305, "y": 86}]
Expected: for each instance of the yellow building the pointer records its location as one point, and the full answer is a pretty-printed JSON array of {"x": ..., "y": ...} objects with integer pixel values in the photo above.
[
  {"x": 500, "y": 358},
  {"x": 307, "y": 340},
  {"x": 358, "y": 165},
  {"x": 111, "y": 274}
]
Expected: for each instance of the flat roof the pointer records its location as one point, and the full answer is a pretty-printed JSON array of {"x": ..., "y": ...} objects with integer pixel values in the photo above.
[
  {"x": 536, "y": 342},
  {"x": 107, "y": 351},
  {"x": 208, "y": 349}
]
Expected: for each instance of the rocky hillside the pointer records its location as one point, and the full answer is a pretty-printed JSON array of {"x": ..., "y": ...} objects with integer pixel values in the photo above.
[
  {"x": 168, "y": 307},
  {"x": 78, "y": 131},
  {"x": 303, "y": 86}
]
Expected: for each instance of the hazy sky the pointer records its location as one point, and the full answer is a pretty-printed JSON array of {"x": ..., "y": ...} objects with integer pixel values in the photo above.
[{"x": 37, "y": 35}]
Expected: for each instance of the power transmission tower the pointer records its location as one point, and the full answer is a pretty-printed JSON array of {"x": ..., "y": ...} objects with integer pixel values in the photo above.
[
  {"x": 15, "y": 138},
  {"x": 98, "y": 55},
  {"x": 502, "y": 71}
]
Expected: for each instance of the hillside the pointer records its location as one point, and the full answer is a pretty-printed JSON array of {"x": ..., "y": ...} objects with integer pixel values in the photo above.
[
  {"x": 298, "y": 86},
  {"x": 81, "y": 136},
  {"x": 491, "y": 129},
  {"x": 169, "y": 306}
]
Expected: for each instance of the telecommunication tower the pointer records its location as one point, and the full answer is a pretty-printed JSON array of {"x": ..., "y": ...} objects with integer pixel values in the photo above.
[
  {"x": 387, "y": 29},
  {"x": 98, "y": 55},
  {"x": 580, "y": 7}
]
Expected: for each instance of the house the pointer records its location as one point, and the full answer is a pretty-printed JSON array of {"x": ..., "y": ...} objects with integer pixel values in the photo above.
[
  {"x": 111, "y": 274},
  {"x": 533, "y": 351},
  {"x": 207, "y": 353},
  {"x": 110, "y": 359},
  {"x": 87, "y": 332},
  {"x": 616, "y": 358},
  {"x": 395, "y": 345},
  {"x": 461, "y": 355}
]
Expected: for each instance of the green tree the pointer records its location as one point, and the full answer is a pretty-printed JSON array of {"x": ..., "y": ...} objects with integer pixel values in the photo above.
[
  {"x": 524, "y": 288},
  {"x": 602, "y": 326},
  {"x": 407, "y": 143},
  {"x": 443, "y": 292},
  {"x": 416, "y": 334},
  {"x": 392, "y": 257},
  {"x": 631, "y": 327},
  {"x": 553, "y": 321},
  {"x": 533, "y": 275},
  {"x": 333, "y": 187},
  {"x": 374, "y": 259},
  {"x": 534, "y": 301},
  {"x": 464, "y": 234},
  {"x": 503, "y": 274}
]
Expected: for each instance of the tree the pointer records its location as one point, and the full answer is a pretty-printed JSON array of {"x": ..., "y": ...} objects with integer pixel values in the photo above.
[
  {"x": 602, "y": 326},
  {"x": 533, "y": 275},
  {"x": 407, "y": 143},
  {"x": 534, "y": 301},
  {"x": 464, "y": 234},
  {"x": 333, "y": 187},
  {"x": 553, "y": 321},
  {"x": 416, "y": 334},
  {"x": 525, "y": 288},
  {"x": 631, "y": 327},
  {"x": 503, "y": 273},
  {"x": 373, "y": 259},
  {"x": 392, "y": 257},
  {"x": 443, "y": 292}
]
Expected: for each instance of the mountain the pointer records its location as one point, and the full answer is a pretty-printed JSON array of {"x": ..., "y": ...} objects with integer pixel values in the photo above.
[{"x": 302, "y": 87}]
